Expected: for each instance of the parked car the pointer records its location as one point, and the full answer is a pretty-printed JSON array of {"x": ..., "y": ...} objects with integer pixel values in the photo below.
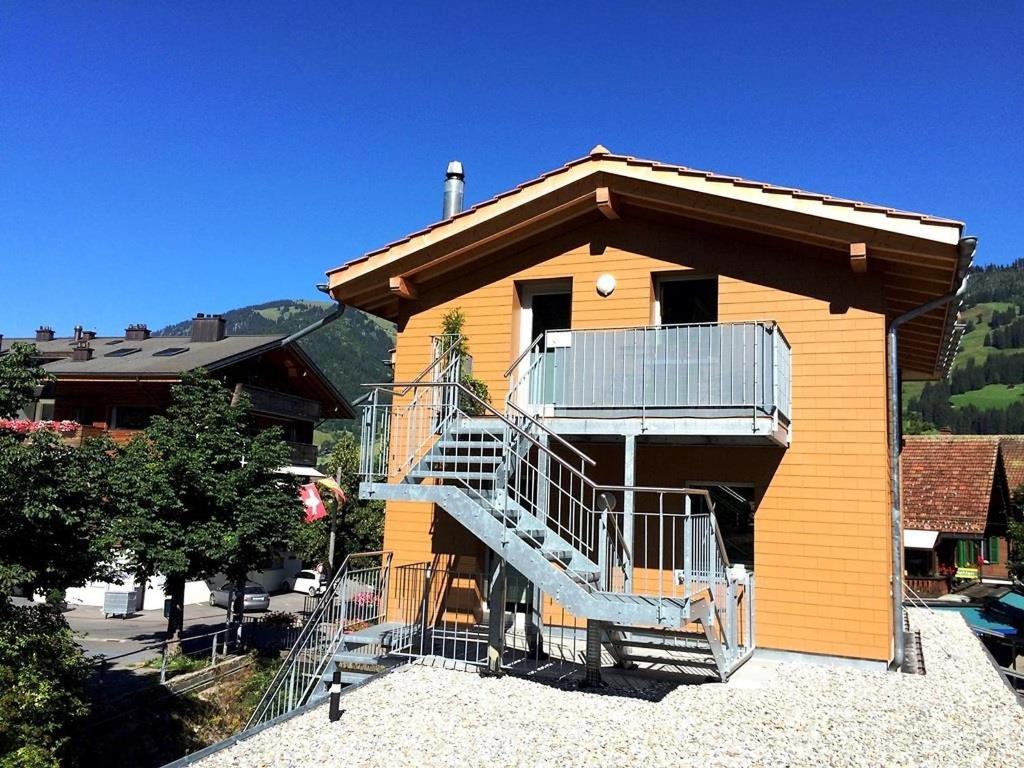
[
  {"x": 309, "y": 582},
  {"x": 254, "y": 599}
]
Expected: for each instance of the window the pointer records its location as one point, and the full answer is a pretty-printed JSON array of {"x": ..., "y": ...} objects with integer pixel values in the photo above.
[
  {"x": 992, "y": 549},
  {"x": 686, "y": 300},
  {"x": 545, "y": 306},
  {"x": 132, "y": 416},
  {"x": 967, "y": 551},
  {"x": 123, "y": 352},
  {"x": 170, "y": 351}
]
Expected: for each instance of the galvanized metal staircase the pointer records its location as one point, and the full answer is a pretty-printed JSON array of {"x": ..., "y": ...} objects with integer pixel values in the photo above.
[{"x": 657, "y": 578}]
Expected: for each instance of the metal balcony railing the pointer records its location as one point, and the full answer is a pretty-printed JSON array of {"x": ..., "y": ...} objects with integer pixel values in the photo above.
[{"x": 711, "y": 368}]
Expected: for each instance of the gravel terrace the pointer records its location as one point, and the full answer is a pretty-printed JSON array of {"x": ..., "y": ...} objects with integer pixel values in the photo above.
[{"x": 772, "y": 714}]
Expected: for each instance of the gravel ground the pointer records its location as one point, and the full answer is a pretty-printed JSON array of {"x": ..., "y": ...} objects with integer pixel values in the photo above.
[{"x": 772, "y": 714}]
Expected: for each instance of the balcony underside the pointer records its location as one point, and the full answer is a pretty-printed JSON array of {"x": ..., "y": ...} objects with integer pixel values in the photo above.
[{"x": 676, "y": 425}]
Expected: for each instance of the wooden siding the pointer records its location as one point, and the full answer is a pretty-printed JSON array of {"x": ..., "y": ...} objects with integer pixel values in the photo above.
[{"x": 822, "y": 524}]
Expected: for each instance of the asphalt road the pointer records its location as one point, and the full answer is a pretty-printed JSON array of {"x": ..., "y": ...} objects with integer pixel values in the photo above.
[{"x": 100, "y": 636}]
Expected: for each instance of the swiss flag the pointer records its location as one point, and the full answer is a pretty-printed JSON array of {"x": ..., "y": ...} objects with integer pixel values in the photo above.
[{"x": 312, "y": 501}]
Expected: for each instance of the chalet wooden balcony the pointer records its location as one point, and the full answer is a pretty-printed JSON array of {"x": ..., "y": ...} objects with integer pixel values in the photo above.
[
  {"x": 273, "y": 403},
  {"x": 303, "y": 454},
  {"x": 711, "y": 379}
]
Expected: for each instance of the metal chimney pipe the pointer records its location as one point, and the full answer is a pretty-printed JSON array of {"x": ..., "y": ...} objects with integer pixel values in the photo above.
[{"x": 454, "y": 189}]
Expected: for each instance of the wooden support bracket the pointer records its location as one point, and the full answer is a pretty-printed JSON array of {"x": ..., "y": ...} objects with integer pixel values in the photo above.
[
  {"x": 403, "y": 288},
  {"x": 606, "y": 203},
  {"x": 859, "y": 258}
]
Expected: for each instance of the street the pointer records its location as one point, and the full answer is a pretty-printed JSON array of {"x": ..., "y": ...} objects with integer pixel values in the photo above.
[{"x": 100, "y": 636}]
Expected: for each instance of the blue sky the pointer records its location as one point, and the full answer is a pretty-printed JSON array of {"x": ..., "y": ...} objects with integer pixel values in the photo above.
[{"x": 162, "y": 159}]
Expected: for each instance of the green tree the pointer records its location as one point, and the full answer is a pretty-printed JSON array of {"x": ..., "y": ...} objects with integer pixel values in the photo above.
[
  {"x": 56, "y": 511},
  {"x": 19, "y": 377},
  {"x": 42, "y": 686},
  {"x": 457, "y": 343},
  {"x": 54, "y": 518},
  {"x": 1015, "y": 535},
  {"x": 360, "y": 523},
  {"x": 200, "y": 494}
]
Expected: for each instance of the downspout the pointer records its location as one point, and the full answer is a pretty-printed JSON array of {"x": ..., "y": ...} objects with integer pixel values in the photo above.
[
  {"x": 327, "y": 319},
  {"x": 965, "y": 253}
]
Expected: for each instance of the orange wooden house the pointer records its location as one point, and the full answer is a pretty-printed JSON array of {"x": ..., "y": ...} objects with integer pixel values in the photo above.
[{"x": 689, "y": 428}]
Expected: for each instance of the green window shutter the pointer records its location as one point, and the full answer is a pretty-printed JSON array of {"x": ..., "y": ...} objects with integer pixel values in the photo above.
[{"x": 993, "y": 549}]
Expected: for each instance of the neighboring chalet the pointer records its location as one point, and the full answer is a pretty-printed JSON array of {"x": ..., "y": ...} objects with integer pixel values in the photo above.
[
  {"x": 956, "y": 506},
  {"x": 658, "y": 342},
  {"x": 115, "y": 385},
  {"x": 1012, "y": 449}
]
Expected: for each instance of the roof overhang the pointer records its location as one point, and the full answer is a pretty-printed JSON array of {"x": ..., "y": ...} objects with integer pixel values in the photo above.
[
  {"x": 915, "y": 254},
  {"x": 919, "y": 539}
]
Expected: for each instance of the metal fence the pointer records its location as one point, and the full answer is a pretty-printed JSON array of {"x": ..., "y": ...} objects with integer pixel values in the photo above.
[
  {"x": 444, "y": 617},
  {"x": 708, "y": 366},
  {"x": 356, "y": 598}
]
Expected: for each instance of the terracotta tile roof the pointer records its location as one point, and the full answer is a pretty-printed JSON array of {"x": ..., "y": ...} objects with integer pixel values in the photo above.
[
  {"x": 600, "y": 154},
  {"x": 1012, "y": 449},
  {"x": 947, "y": 482}
]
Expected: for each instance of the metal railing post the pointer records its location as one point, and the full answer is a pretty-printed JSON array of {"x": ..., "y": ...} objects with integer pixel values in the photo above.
[
  {"x": 602, "y": 551},
  {"x": 687, "y": 546}
]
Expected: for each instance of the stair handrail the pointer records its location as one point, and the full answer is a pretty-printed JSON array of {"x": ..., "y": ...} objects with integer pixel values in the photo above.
[
  {"x": 385, "y": 386},
  {"x": 515, "y": 364},
  {"x": 699, "y": 492},
  {"x": 312, "y": 626}
]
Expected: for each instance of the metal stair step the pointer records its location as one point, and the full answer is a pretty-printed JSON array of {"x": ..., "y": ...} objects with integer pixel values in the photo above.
[
  {"x": 353, "y": 657},
  {"x": 694, "y": 659},
  {"x": 696, "y": 643},
  {"x": 465, "y": 445},
  {"x": 532, "y": 534},
  {"x": 426, "y": 473},
  {"x": 563, "y": 556},
  {"x": 379, "y": 634},
  {"x": 584, "y": 577},
  {"x": 457, "y": 460},
  {"x": 347, "y": 678}
]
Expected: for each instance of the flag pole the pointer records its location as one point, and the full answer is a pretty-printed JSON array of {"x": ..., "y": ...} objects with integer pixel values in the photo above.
[{"x": 334, "y": 525}]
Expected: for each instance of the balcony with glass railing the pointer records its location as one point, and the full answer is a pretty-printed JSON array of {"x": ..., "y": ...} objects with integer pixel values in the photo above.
[{"x": 713, "y": 379}]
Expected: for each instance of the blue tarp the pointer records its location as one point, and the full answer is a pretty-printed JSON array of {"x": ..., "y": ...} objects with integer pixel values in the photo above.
[{"x": 979, "y": 623}]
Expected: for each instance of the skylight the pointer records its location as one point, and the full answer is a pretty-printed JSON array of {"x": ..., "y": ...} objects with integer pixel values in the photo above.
[
  {"x": 170, "y": 351},
  {"x": 123, "y": 352}
]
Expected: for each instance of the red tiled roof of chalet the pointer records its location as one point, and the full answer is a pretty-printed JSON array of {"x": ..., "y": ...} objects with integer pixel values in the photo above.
[
  {"x": 947, "y": 482},
  {"x": 601, "y": 154},
  {"x": 1013, "y": 460}
]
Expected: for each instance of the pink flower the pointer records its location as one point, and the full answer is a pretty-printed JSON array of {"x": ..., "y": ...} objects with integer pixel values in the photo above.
[{"x": 27, "y": 426}]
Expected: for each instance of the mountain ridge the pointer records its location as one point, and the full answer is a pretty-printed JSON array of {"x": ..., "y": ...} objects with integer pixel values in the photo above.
[{"x": 352, "y": 350}]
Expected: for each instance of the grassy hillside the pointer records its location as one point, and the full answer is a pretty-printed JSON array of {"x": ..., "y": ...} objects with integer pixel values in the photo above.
[
  {"x": 984, "y": 393},
  {"x": 351, "y": 351}
]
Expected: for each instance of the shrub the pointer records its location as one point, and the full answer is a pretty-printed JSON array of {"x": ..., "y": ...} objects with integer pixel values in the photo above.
[{"x": 42, "y": 685}]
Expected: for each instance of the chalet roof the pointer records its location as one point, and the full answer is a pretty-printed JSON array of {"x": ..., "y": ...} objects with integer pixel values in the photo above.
[
  {"x": 1012, "y": 449},
  {"x": 109, "y": 358},
  {"x": 916, "y": 254},
  {"x": 165, "y": 358},
  {"x": 947, "y": 482}
]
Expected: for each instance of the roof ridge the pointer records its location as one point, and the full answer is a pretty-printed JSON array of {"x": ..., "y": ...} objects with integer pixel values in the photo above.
[{"x": 599, "y": 154}]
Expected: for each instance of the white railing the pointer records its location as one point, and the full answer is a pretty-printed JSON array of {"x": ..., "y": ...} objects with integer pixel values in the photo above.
[
  {"x": 700, "y": 367},
  {"x": 356, "y": 598}
]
